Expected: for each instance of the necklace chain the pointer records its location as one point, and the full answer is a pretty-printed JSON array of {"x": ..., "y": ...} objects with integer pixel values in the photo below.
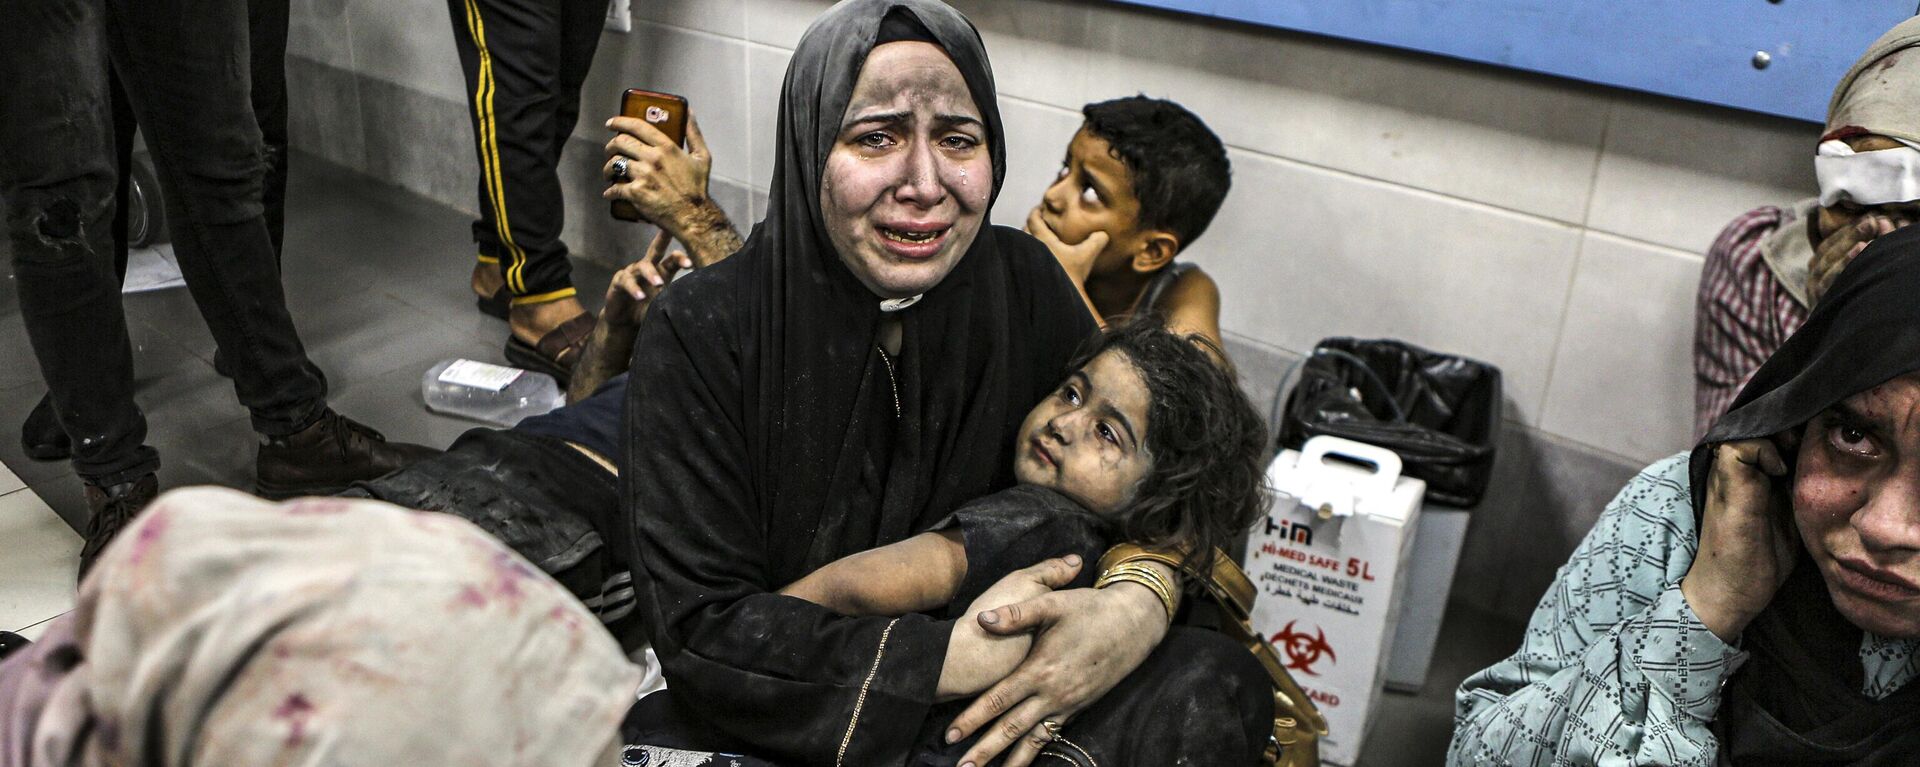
[{"x": 892, "y": 383}]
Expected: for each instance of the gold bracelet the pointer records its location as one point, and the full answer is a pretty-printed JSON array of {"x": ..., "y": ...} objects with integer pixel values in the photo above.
[
  {"x": 1150, "y": 585},
  {"x": 1143, "y": 574},
  {"x": 1150, "y": 572}
]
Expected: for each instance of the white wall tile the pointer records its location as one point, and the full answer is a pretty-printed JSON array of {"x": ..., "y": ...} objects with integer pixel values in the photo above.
[
  {"x": 1623, "y": 375},
  {"x": 1037, "y": 138},
  {"x": 1515, "y": 141},
  {"x": 721, "y": 17},
  {"x": 319, "y": 30},
  {"x": 709, "y": 71},
  {"x": 408, "y": 42},
  {"x": 1302, "y": 253},
  {"x": 1039, "y": 48},
  {"x": 1675, "y": 173},
  {"x": 780, "y": 23},
  {"x": 766, "y": 71}
]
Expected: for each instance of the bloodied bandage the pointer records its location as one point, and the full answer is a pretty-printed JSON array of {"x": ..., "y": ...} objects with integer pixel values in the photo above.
[{"x": 1867, "y": 178}]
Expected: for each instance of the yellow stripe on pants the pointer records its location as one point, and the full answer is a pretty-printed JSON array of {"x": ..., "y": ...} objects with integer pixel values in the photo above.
[{"x": 490, "y": 151}]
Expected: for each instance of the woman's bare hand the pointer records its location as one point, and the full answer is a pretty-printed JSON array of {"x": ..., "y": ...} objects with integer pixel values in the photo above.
[
  {"x": 1087, "y": 641},
  {"x": 977, "y": 658},
  {"x": 1747, "y": 539}
]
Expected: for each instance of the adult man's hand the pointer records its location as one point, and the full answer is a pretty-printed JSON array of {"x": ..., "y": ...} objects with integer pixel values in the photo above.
[
  {"x": 635, "y": 285},
  {"x": 1088, "y": 641},
  {"x": 1747, "y": 540},
  {"x": 1077, "y": 258},
  {"x": 668, "y": 184},
  {"x": 1840, "y": 247}
]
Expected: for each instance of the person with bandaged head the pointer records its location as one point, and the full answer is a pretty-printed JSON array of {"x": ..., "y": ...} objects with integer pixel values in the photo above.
[{"x": 1771, "y": 265}]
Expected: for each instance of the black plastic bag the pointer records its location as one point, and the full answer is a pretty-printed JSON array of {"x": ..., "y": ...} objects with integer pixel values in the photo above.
[{"x": 1439, "y": 412}]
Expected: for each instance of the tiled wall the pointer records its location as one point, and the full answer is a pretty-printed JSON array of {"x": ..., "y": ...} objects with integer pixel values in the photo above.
[{"x": 1551, "y": 228}]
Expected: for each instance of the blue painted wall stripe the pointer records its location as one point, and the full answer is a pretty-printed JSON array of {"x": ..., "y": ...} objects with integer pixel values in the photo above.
[{"x": 1692, "y": 49}]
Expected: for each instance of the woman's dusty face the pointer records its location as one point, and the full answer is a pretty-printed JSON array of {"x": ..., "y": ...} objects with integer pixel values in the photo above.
[
  {"x": 909, "y": 176},
  {"x": 1856, "y": 500}
]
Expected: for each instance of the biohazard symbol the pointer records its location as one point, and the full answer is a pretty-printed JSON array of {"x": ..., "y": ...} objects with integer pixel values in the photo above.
[{"x": 1303, "y": 651}]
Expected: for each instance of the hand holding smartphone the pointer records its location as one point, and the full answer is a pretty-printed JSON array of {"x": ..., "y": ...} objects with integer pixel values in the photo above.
[{"x": 666, "y": 113}]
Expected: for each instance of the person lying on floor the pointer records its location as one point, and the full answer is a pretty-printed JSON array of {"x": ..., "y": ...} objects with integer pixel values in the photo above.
[
  {"x": 1755, "y": 602},
  {"x": 225, "y": 630},
  {"x": 545, "y": 486}
]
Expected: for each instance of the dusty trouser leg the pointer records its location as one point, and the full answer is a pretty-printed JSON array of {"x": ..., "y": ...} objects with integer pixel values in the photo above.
[
  {"x": 57, "y": 176},
  {"x": 187, "y": 71}
]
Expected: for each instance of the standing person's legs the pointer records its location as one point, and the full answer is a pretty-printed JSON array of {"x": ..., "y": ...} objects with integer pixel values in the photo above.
[
  {"x": 267, "y": 47},
  {"x": 195, "y": 107},
  {"x": 511, "y": 51},
  {"x": 580, "y": 26},
  {"x": 179, "y": 60},
  {"x": 41, "y": 436},
  {"x": 57, "y": 176}
]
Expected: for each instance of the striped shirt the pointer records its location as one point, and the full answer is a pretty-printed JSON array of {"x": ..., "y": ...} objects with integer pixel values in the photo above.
[
  {"x": 1615, "y": 667},
  {"x": 1741, "y": 316}
]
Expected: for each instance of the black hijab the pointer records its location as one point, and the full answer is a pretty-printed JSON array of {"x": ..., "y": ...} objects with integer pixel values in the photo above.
[
  {"x": 1798, "y": 699},
  {"x": 763, "y": 442}
]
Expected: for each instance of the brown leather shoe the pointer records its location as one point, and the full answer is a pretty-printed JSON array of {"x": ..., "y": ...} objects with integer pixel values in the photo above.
[
  {"x": 327, "y": 457},
  {"x": 113, "y": 508}
]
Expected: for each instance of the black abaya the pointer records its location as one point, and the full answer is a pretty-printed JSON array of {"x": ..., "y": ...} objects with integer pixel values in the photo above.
[{"x": 763, "y": 440}]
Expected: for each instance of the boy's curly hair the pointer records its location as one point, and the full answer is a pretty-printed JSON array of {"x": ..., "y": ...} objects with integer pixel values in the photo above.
[{"x": 1205, "y": 438}]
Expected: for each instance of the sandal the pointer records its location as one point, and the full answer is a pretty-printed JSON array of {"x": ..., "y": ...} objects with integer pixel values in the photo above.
[
  {"x": 496, "y": 305},
  {"x": 556, "y": 351}
]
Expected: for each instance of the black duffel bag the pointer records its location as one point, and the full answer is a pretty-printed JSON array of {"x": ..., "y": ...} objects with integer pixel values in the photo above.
[{"x": 1439, "y": 412}]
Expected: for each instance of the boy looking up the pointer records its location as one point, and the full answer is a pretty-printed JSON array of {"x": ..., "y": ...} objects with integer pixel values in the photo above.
[{"x": 1142, "y": 179}]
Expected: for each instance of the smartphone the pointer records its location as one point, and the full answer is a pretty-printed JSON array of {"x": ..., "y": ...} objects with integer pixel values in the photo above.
[{"x": 664, "y": 111}]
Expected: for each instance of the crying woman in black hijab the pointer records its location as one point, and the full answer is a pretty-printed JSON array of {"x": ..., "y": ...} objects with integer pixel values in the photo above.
[{"x": 852, "y": 376}]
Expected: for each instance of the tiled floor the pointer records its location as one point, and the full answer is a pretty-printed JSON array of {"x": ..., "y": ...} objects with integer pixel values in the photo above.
[{"x": 377, "y": 282}]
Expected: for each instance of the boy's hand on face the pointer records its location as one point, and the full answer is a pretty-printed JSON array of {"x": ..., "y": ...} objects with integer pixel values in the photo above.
[{"x": 1077, "y": 259}]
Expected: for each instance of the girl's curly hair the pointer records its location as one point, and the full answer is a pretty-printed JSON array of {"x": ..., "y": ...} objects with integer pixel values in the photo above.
[{"x": 1204, "y": 436}]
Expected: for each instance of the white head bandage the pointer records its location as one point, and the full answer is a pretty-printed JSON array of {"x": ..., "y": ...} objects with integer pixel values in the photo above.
[{"x": 1867, "y": 178}]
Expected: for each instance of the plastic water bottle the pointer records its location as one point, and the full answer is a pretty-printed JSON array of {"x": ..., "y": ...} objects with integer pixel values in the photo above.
[{"x": 491, "y": 393}]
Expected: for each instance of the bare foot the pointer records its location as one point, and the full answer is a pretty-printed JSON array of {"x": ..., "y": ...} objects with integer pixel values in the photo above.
[
  {"x": 531, "y": 321},
  {"x": 487, "y": 280}
]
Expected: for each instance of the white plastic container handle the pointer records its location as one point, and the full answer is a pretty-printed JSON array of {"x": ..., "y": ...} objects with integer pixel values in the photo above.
[{"x": 1386, "y": 463}]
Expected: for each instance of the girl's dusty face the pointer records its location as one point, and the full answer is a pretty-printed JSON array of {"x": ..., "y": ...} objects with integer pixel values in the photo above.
[
  {"x": 1856, "y": 501},
  {"x": 909, "y": 177},
  {"x": 1087, "y": 440}
]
